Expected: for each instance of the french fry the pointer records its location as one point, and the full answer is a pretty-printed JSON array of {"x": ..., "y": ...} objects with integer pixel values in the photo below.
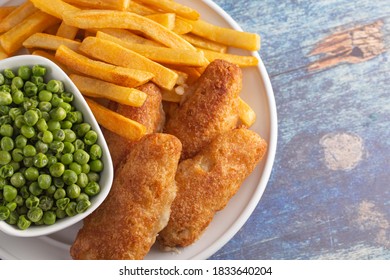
[
  {"x": 12, "y": 40},
  {"x": 246, "y": 113},
  {"x": 104, "y": 71},
  {"x": 226, "y": 36},
  {"x": 161, "y": 54},
  {"x": 49, "y": 42},
  {"x": 167, "y": 20},
  {"x": 192, "y": 73},
  {"x": 89, "y": 19},
  {"x": 106, "y": 4},
  {"x": 93, "y": 88},
  {"x": 182, "y": 27},
  {"x": 129, "y": 36},
  {"x": 6, "y": 10},
  {"x": 173, "y": 7},
  {"x": 52, "y": 58},
  {"x": 140, "y": 9},
  {"x": 67, "y": 31},
  {"x": 17, "y": 16},
  {"x": 55, "y": 8},
  {"x": 171, "y": 95},
  {"x": 115, "y": 122},
  {"x": 3, "y": 54},
  {"x": 203, "y": 43},
  {"x": 240, "y": 60},
  {"x": 113, "y": 53}
]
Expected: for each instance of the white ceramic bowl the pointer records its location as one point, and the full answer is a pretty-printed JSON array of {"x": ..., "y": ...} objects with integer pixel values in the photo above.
[{"x": 106, "y": 176}]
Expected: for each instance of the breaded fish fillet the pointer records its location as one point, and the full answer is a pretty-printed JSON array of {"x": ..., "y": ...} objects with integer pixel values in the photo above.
[
  {"x": 150, "y": 114},
  {"x": 125, "y": 226},
  {"x": 208, "y": 181},
  {"x": 209, "y": 107}
]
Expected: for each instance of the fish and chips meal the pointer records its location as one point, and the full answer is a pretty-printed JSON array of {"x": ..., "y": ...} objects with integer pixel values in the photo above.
[{"x": 166, "y": 91}]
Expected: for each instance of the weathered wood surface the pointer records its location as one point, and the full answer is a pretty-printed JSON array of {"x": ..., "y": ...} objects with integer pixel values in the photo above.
[{"x": 329, "y": 192}]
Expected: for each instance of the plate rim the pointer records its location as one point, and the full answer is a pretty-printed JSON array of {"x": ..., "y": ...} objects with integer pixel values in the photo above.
[{"x": 269, "y": 158}]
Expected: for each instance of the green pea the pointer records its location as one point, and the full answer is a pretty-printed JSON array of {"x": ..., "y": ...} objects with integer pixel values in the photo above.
[
  {"x": 15, "y": 166},
  {"x": 4, "y": 213},
  {"x": 58, "y": 114},
  {"x": 35, "y": 189},
  {"x": 39, "y": 81},
  {"x": 19, "y": 200},
  {"x": 5, "y": 157},
  {"x": 81, "y": 157},
  {"x": 45, "y": 95},
  {"x": 71, "y": 209},
  {"x": 17, "y": 97},
  {"x": 82, "y": 206},
  {"x": 20, "y": 141},
  {"x": 32, "y": 202},
  {"x": 30, "y": 89},
  {"x": 67, "y": 96},
  {"x": 14, "y": 112},
  {"x": 31, "y": 174},
  {"x": 13, "y": 218},
  {"x": 51, "y": 160},
  {"x": 60, "y": 213},
  {"x": 55, "y": 86},
  {"x": 41, "y": 147},
  {"x": 27, "y": 131},
  {"x": 44, "y": 181},
  {"x": 96, "y": 165},
  {"x": 35, "y": 214},
  {"x": 6, "y": 130},
  {"x": 66, "y": 124},
  {"x": 58, "y": 135},
  {"x": 66, "y": 106},
  {"x": 8, "y": 73},
  {"x": 73, "y": 191},
  {"x": 7, "y": 144},
  {"x": 82, "y": 196},
  {"x": 22, "y": 210},
  {"x": 9, "y": 193},
  {"x": 69, "y": 177},
  {"x": 47, "y": 137},
  {"x": 31, "y": 117},
  {"x": 70, "y": 135},
  {"x": 75, "y": 167},
  {"x": 67, "y": 158},
  {"x": 93, "y": 176},
  {"x": 62, "y": 203},
  {"x": 68, "y": 147},
  {"x": 5, "y": 98},
  {"x": 50, "y": 190},
  {"x": 24, "y": 72},
  {"x": 56, "y": 146},
  {"x": 29, "y": 151},
  {"x": 38, "y": 70},
  {"x": 11, "y": 206},
  {"x": 24, "y": 192},
  {"x": 6, "y": 171},
  {"x": 92, "y": 188},
  {"x": 17, "y": 180},
  {"x": 56, "y": 100},
  {"x": 40, "y": 160},
  {"x": 23, "y": 223},
  {"x": 44, "y": 106},
  {"x": 49, "y": 218},
  {"x": 57, "y": 169},
  {"x": 28, "y": 161},
  {"x": 90, "y": 137},
  {"x": 2, "y": 80},
  {"x": 59, "y": 193},
  {"x": 85, "y": 168},
  {"x": 78, "y": 144},
  {"x": 45, "y": 203},
  {"x": 17, "y": 83},
  {"x": 53, "y": 125},
  {"x": 82, "y": 129}
]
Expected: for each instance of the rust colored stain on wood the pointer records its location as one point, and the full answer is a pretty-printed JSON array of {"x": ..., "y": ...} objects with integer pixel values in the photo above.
[{"x": 350, "y": 46}]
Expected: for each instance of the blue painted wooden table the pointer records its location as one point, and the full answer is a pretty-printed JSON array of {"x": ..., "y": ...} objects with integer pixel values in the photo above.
[{"x": 329, "y": 193}]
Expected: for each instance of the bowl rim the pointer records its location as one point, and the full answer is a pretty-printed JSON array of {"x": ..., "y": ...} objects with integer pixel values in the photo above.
[{"x": 107, "y": 174}]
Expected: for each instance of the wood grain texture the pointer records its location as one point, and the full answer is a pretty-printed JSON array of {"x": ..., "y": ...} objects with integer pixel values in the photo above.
[{"x": 329, "y": 193}]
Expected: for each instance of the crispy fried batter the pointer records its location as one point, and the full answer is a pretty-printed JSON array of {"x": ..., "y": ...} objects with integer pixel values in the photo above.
[
  {"x": 210, "y": 107},
  {"x": 138, "y": 206},
  {"x": 208, "y": 181},
  {"x": 150, "y": 114}
]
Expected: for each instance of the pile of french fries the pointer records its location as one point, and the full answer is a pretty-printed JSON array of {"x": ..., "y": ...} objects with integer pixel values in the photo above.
[{"x": 109, "y": 48}]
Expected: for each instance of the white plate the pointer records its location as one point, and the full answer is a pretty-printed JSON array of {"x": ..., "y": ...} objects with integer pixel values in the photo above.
[{"x": 257, "y": 91}]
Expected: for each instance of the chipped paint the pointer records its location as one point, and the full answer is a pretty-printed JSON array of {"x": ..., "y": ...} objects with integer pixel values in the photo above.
[
  {"x": 352, "y": 46},
  {"x": 342, "y": 151}
]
